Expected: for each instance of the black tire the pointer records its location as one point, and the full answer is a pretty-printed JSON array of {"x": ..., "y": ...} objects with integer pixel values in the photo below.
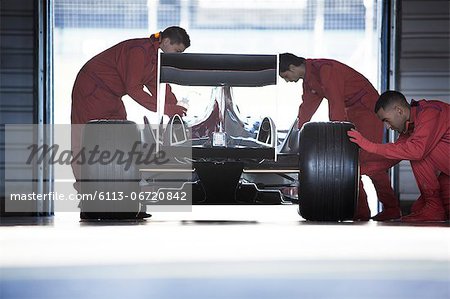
[
  {"x": 329, "y": 172},
  {"x": 113, "y": 182}
]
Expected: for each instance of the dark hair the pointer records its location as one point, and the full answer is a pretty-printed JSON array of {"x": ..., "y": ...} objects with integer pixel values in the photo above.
[
  {"x": 388, "y": 98},
  {"x": 286, "y": 59},
  {"x": 177, "y": 35}
]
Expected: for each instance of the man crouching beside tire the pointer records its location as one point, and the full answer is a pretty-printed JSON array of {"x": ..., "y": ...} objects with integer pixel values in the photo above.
[{"x": 424, "y": 140}]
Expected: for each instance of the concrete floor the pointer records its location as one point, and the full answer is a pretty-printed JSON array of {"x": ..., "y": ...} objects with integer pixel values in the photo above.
[{"x": 222, "y": 252}]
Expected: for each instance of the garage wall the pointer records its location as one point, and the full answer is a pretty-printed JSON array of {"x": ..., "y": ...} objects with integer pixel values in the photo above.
[
  {"x": 25, "y": 96},
  {"x": 424, "y": 63},
  {"x": 422, "y": 69},
  {"x": 17, "y": 65}
]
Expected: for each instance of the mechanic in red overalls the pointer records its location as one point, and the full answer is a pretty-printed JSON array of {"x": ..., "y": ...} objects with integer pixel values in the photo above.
[
  {"x": 424, "y": 128},
  {"x": 123, "y": 69},
  {"x": 351, "y": 97}
]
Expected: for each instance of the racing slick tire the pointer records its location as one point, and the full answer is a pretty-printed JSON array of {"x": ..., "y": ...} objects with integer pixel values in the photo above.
[
  {"x": 329, "y": 172},
  {"x": 109, "y": 175}
]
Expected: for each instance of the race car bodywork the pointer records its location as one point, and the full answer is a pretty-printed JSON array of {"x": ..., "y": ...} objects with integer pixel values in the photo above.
[{"x": 221, "y": 158}]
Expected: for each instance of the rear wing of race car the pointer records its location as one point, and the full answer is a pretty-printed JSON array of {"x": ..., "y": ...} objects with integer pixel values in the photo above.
[
  {"x": 218, "y": 69},
  {"x": 198, "y": 69}
]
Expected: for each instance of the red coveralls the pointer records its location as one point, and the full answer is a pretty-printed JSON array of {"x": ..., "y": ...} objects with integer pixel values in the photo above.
[
  {"x": 351, "y": 97},
  {"x": 426, "y": 143},
  {"x": 122, "y": 69}
]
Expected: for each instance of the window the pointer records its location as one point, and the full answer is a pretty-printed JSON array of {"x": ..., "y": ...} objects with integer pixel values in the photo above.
[{"x": 344, "y": 30}]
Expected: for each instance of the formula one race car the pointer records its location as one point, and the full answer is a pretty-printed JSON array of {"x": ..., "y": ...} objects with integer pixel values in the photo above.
[{"x": 221, "y": 158}]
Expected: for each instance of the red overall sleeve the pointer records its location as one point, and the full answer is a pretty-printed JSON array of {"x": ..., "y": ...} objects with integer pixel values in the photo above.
[
  {"x": 332, "y": 81},
  {"x": 133, "y": 79},
  {"x": 427, "y": 133},
  {"x": 171, "y": 99},
  {"x": 308, "y": 107},
  {"x": 134, "y": 85}
]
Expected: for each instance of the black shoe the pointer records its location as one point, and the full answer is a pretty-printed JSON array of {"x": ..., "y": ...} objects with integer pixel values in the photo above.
[
  {"x": 113, "y": 215},
  {"x": 143, "y": 215}
]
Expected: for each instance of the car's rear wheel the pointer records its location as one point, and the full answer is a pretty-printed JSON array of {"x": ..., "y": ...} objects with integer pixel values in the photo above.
[
  {"x": 110, "y": 176},
  {"x": 329, "y": 172}
]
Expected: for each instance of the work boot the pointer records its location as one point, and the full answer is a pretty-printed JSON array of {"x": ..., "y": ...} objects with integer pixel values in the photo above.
[
  {"x": 417, "y": 205},
  {"x": 432, "y": 211},
  {"x": 447, "y": 212},
  {"x": 388, "y": 215},
  {"x": 446, "y": 205},
  {"x": 362, "y": 216},
  {"x": 362, "y": 212},
  {"x": 385, "y": 193},
  {"x": 444, "y": 192}
]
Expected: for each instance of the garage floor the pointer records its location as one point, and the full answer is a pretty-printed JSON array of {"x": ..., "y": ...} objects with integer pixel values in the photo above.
[{"x": 222, "y": 252}]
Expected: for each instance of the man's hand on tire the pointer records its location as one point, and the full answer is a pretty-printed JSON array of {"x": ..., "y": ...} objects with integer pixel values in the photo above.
[{"x": 363, "y": 143}]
